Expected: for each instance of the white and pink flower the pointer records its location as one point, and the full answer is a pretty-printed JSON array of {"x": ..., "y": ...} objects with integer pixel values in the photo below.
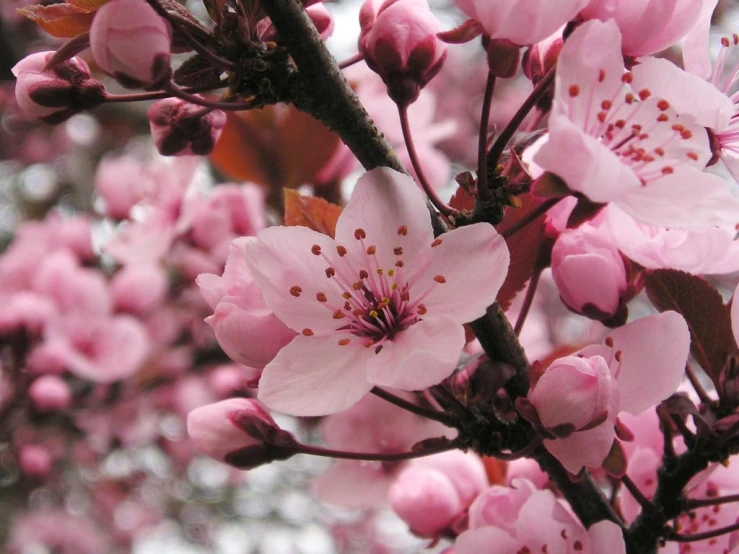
[{"x": 382, "y": 304}]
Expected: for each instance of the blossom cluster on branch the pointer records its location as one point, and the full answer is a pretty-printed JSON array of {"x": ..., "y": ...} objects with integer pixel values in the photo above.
[{"x": 537, "y": 354}]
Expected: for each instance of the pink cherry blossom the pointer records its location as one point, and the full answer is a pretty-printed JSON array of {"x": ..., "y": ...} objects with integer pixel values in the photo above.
[
  {"x": 735, "y": 315},
  {"x": 49, "y": 393},
  {"x": 386, "y": 429},
  {"x": 57, "y": 94},
  {"x": 628, "y": 147},
  {"x": 247, "y": 330},
  {"x": 706, "y": 250},
  {"x": 524, "y": 519},
  {"x": 131, "y": 42},
  {"x": 521, "y": 21},
  {"x": 647, "y": 26},
  {"x": 589, "y": 272},
  {"x": 375, "y": 305},
  {"x": 579, "y": 397},
  {"x": 433, "y": 492},
  {"x": 399, "y": 42},
  {"x": 139, "y": 289}
]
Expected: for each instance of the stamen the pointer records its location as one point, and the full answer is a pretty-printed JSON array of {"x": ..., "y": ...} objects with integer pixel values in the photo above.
[
  {"x": 341, "y": 250},
  {"x": 295, "y": 291},
  {"x": 398, "y": 250},
  {"x": 359, "y": 234},
  {"x": 436, "y": 243},
  {"x": 403, "y": 230},
  {"x": 316, "y": 250},
  {"x": 363, "y": 274},
  {"x": 439, "y": 279},
  {"x": 371, "y": 250},
  {"x": 338, "y": 314},
  {"x": 321, "y": 297},
  {"x": 344, "y": 342},
  {"x": 574, "y": 90},
  {"x": 307, "y": 332},
  {"x": 399, "y": 263},
  {"x": 330, "y": 272},
  {"x": 421, "y": 309},
  {"x": 609, "y": 342}
]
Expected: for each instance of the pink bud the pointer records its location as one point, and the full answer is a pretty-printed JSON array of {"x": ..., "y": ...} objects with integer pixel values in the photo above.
[
  {"x": 34, "y": 461},
  {"x": 431, "y": 493},
  {"x": 426, "y": 500},
  {"x": 240, "y": 432},
  {"x": 132, "y": 43},
  {"x": 398, "y": 40},
  {"x": 180, "y": 128},
  {"x": 573, "y": 394},
  {"x": 590, "y": 274},
  {"x": 49, "y": 393},
  {"x": 55, "y": 95},
  {"x": 138, "y": 289}
]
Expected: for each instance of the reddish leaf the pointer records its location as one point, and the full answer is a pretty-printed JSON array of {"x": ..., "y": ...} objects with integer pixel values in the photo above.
[
  {"x": 88, "y": 5},
  {"x": 525, "y": 248},
  {"x": 277, "y": 146},
  {"x": 312, "y": 212},
  {"x": 711, "y": 339},
  {"x": 463, "y": 200},
  {"x": 60, "y": 20}
]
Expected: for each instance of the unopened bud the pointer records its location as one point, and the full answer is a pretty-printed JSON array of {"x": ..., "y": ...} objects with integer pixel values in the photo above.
[
  {"x": 49, "y": 393},
  {"x": 180, "y": 128},
  {"x": 239, "y": 432},
  {"x": 55, "y": 95},
  {"x": 132, "y": 43},
  {"x": 399, "y": 42}
]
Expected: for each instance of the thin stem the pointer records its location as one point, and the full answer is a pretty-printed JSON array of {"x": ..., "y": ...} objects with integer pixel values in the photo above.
[
  {"x": 482, "y": 140},
  {"x": 692, "y": 504},
  {"x": 693, "y": 378},
  {"x": 143, "y": 96},
  {"x": 670, "y": 535},
  {"x": 441, "y": 417},
  {"x": 528, "y": 300},
  {"x": 533, "y": 215},
  {"x": 440, "y": 205},
  {"x": 356, "y": 58},
  {"x": 645, "y": 503},
  {"x": 442, "y": 446},
  {"x": 521, "y": 453},
  {"x": 179, "y": 92},
  {"x": 510, "y": 129},
  {"x": 192, "y": 41},
  {"x": 665, "y": 424}
]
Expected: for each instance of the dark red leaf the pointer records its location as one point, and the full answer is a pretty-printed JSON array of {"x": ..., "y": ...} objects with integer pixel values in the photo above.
[{"x": 711, "y": 339}]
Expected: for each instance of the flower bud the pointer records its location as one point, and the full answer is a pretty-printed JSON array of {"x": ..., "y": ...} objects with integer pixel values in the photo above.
[
  {"x": 591, "y": 275},
  {"x": 138, "y": 289},
  {"x": 398, "y": 40},
  {"x": 49, "y": 393},
  {"x": 132, "y": 43},
  {"x": 573, "y": 394},
  {"x": 55, "y": 95},
  {"x": 239, "y": 432},
  {"x": 180, "y": 128},
  {"x": 34, "y": 461}
]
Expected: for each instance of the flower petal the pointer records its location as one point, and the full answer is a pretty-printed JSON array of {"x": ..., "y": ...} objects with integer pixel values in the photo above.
[
  {"x": 480, "y": 540},
  {"x": 290, "y": 276},
  {"x": 584, "y": 448},
  {"x": 688, "y": 197},
  {"x": 383, "y": 201},
  {"x": 315, "y": 376},
  {"x": 473, "y": 261},
  {"x": 584, "y": 163},
  {"x": 606, "y": 536},
  {"x": 735, "y": 315},
  {"x": 654, "y": 350},
  {"x": 422, "y": 355}
]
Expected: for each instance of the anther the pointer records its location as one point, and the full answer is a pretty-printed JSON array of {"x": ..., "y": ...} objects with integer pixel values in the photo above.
[
  {"x": 379, "y": 271},
  {"x": 316, "y": 250},
  {"x": 360, "y": 234},
  {"x": 663, "y": 104},
  {"x": 436, "y": 242},
  {"x": 398, "y": 250},
  {"x": 321, "y": 297},
  {"x": 357, "y": 285},
  {"x": 606, "y": 105},
  {"x": 421, "y": 309},
  {"x": 374, "y": 314},
  {"x": 627, "y": 77},
  {"x": 338, "y": 314},
  {"x": 330, "y": 272},
  {"x": 377, "y": 350},
  {"x": 346, "y": 295},
  {"x": 403, "y": 230},
  {"x": 609, "y": 342},
  {"x": 391, "y": 272},
  {"x": 363, "y": 274},
  {"x": 344, "y": 342},
  {"x": 399, "y": 263},
  {"x": 574, "y": 90},
  {"x": 307, "y": 332},
  {"x": 601, "y": 75},
  {"x": 667, "y": 170},
  {"x": 645, "y": 93},
  {"x": 617, "y": 355},
  {"x": 371, "y": 250},
  {"x": 439, "y": 279},
  {"x": 341, "y": 250},
  {"x": 663, "y": 117},
  {"x": 295, "y": 291},
  {"x": 693, "y": 156},
  {"x": 725, "y": 42}
]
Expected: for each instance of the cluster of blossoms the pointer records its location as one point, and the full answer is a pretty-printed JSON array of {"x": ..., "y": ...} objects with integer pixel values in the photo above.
[{"x": 608, "y": 195}]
